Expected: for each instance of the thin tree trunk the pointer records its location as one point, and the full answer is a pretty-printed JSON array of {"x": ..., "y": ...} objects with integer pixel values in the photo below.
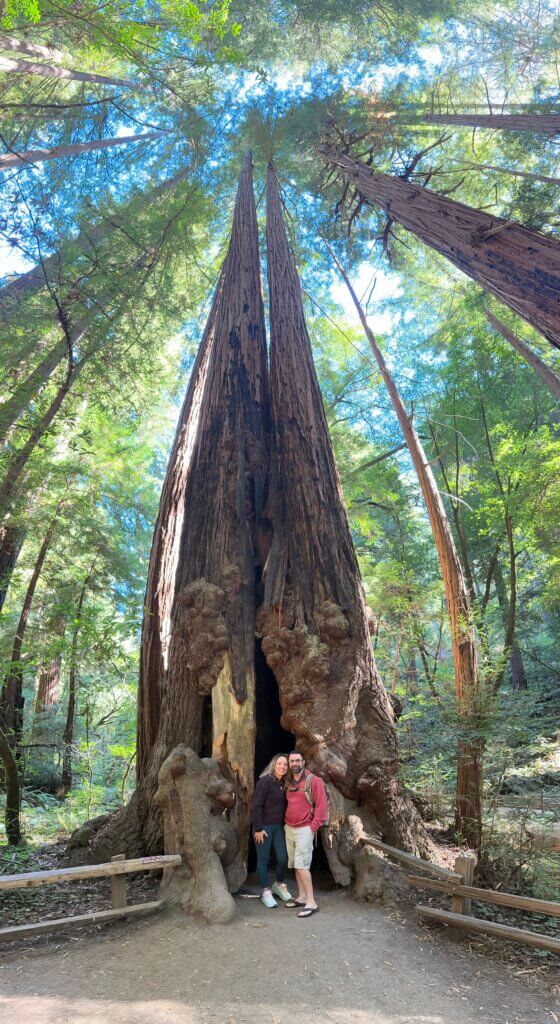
[
  {"x": 21, "y": 396},
  {"x": 21, "y": 458},
  {"x": 521, "y": 267},
  {"x": 37, "y": 156},
  {"x": 547, "y": 123},
  {"x": 27, "y": 67},
  {"x": 49, "y": 270},
  {"x": 468, "y": 817},
  {"x": 66, "y": 781},
  {"x": 13, "y": 791},
  {"x": 518, "y": 676},
  {"x": 314, "y": 624},
  {"x": 529, "y": 175},
  {"x": 546, "y": 374},
  {"x": 11, "y": 541},
  {"x": 11, "y": 699},
  {"x": 31, "y": 49}
]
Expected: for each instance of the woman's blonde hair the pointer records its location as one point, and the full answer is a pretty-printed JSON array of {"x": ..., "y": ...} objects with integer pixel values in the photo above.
[{"x": 269, "y": 770}]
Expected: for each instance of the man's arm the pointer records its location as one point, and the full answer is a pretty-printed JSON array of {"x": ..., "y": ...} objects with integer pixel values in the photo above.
[{"x": 320, "y": 804}]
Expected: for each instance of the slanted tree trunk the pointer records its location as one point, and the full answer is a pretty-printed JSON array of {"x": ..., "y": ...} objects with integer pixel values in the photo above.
[
  {"x": 32, "y": 49},
  {"x": 313, "y": 621},
  {"x": 11, "y": 698},
  {"x": 38, "y": 156},
  {"x": 547, "y": 123},
  {"x": 529, "y": 175},
  {"x": 51, "y": 270},
  {"x": 209, "y": 548},
  {"x": 546, "y": 374},
  {"x": 21, "y": 396},
  {"x": 27, "y": 67},
  {"x": 13, "y": 790},
  {"x": 468, "y": 807},
  {"x": 521, "y": 267}
]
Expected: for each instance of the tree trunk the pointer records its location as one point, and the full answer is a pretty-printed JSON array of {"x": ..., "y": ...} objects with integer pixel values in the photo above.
[
  {"x": 11, "y": 699},
  {"x": 518, "y": 676},
  {"x": 16, "y": 467},
  {"x": 21, "y": 396},
  {"x": 313, "y": 622},
  {"x": 50, "y": 270},
  {"x": 547, "y": 123},
  {"x": 27, "y": 67},
  {"x": 48, "y": 683},
  {"x": 66, "y": 780},
  {"x": 521, "y": 267},
  {"x": 468, "y": 814},
  {"x": 37, "y": 156},
  {"x": 13, "y": 792},
  {"x": 546, "y": 374},
  {"x": 11, "y": 541},
  {"x": 529, "y": 175},
  {"x": 209, "y": 548},
  {"x": 32, "y": 49}
]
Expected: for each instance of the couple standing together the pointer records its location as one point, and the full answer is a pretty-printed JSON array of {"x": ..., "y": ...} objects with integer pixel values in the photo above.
[{"x": 289, "y": 808}]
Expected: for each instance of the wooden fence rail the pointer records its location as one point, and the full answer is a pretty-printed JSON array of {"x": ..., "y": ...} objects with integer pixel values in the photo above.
[{"x": 116, "y": 870}]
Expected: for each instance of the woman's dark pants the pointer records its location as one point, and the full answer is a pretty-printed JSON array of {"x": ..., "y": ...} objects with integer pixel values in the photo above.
[{"x": 274, "y": 838}]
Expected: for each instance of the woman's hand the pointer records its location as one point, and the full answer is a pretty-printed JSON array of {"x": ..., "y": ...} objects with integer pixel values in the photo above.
[{"x": 261, "y": 836}]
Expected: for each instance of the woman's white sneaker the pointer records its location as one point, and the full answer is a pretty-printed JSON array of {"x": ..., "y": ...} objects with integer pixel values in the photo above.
[
  {"x": 281, "y": 890},
  {"x": 268, "y": 899}
]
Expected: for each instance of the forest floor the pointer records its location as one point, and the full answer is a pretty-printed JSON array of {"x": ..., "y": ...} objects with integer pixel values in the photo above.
[{"x": 350, "y": 963}]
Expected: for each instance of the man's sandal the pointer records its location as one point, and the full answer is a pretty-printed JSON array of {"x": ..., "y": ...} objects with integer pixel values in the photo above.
[
  {"x": 308, "y": 911},
  {"x": 290, "y": 904}
]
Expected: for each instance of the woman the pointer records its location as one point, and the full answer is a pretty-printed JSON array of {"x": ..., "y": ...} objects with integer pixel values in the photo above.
[{"x": 269, "y": 805}]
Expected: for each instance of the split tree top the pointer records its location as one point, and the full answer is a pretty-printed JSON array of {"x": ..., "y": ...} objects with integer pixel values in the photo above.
[
  {"x": 269, "y": 803},
  {"x": 299, "y": 811}
]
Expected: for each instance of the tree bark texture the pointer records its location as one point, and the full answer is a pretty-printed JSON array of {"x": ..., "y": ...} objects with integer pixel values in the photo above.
[
  {"x": 520, "y": 266},
  {"x": 314, "y": 621},
  {"x": 547, "y": 123},
  {"x": 38, "y": 156},
  {"x": 209, "y": 547},
  {"x": 546, "y": 374},
  {"x": 66, "y": 780},
  {"x": 48, "y": 683},
  {"x": 468, "y": 807}
]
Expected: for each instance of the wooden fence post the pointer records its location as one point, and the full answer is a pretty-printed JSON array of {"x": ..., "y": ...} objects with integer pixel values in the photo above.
[
  {"x": 118, "y": 886},
  {"x": 463, "y": 866}
]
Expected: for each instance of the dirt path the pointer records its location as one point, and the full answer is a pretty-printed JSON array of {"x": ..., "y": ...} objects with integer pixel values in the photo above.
[{"x": 350, "y": 963}]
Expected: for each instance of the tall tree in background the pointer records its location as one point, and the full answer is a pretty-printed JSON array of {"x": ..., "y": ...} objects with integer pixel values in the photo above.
[{"x": 521, "y": 267}]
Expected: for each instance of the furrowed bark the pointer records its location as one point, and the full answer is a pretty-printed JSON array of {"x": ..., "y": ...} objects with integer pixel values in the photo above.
[
  {"x": 468, "y": 816},
  {"x": 520, "y": 266},
  {"x": 200, "y": 603},
  {"x": 11, "y": 541},
  {"x": 37, "y": 156},
  {"x": 13, "y": 66},
  {"x": 314, "y": 621},
  {"x": 546, "y": 374}
]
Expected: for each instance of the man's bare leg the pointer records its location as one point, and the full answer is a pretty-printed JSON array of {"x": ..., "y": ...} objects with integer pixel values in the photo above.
[{"x": 305, "y": 887}]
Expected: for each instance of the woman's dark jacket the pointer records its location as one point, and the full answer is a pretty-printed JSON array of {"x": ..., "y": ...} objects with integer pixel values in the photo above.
[{"x": 269, "y": 803}]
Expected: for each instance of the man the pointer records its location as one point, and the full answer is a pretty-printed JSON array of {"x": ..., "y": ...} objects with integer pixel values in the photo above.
[{"x": 307, "y": 810}]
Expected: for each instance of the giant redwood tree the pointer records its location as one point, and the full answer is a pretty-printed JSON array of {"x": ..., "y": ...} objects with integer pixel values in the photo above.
[
  {"x": 518, "y": 265},
  {"x": 256, "y": 628}
]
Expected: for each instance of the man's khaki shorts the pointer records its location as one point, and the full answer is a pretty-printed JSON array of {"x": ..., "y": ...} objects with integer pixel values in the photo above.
[{"x": 299, "y": 842}]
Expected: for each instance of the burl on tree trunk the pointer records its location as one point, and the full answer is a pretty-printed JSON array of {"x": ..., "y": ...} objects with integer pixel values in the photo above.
[
  {"x": 193, "y": 796},
  {"x": 252, "y": 541}
]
